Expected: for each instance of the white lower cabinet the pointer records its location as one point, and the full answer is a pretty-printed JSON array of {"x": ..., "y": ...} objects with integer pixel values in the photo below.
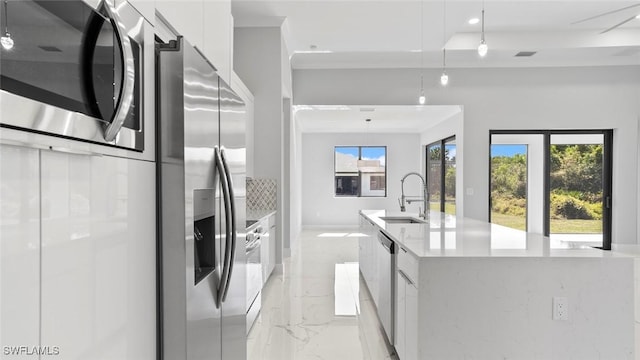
[
  {"x": 366, "y": 255},
  {"x": 268, "y": 249},
  {"x": 406, "y": 319},
  {"x": 19, "y": 250},
  {"x": 98, "y": 256},
  {"x": 272, "y": 244}
]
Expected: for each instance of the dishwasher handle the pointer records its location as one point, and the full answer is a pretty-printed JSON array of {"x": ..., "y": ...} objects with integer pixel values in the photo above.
[{"x": 386, "y": 242}]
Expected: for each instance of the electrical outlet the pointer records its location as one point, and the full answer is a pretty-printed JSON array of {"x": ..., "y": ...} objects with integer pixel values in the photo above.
[{"x": 560, "y": 308}]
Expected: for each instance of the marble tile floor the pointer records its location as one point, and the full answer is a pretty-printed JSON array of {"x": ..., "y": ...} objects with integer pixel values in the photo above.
[{"x": 318, "y": 308}]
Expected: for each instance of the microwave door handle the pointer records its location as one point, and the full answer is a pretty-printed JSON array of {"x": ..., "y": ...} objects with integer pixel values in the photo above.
[
  {"x": 227, "y": 263},
  {"x": 232, "y": 202},
  {"x": 125, "y": 100}
]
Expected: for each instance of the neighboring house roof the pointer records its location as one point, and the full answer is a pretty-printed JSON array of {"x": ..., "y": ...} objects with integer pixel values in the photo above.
[{"x": 349, "y": 164}]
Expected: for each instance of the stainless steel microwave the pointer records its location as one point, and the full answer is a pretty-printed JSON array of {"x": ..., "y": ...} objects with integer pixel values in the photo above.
[{"x": 73, "y": 70}]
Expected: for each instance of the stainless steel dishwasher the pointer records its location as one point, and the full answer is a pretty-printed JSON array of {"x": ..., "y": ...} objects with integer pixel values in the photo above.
[{"x": 386, "y": 261}]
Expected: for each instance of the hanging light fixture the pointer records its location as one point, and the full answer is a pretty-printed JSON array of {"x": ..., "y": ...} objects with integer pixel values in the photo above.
[
  {"x": 483, "y": 48},
  {"x": 368, "y": 165},
  {"x": 6, "y": 40},
  {"x": 444, "y": 78},
  {"x": 422, "y": 99}
]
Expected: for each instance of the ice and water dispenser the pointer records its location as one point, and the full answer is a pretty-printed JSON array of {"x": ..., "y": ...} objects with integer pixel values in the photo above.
[{"x": 204, "y": 232}]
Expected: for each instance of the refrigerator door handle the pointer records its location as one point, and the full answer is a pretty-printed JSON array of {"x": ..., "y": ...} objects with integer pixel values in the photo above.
[
  {"x": 229, "y": 183},
  {"x": 226, "y": 265}
]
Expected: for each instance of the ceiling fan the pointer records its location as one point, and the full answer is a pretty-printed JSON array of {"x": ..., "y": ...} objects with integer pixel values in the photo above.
[{"x": 609, "y": 13}]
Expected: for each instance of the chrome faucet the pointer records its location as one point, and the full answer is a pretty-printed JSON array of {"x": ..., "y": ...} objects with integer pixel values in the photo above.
[{"x": 425, "y": 195}]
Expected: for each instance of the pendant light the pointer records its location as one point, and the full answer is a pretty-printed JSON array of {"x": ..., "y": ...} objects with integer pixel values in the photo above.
[
  {"x": 483, "y": 48},
  {"x": 422, "y": 99},
  {"x": 444, "y": 78},
  {"x": 6, "y": 40}
]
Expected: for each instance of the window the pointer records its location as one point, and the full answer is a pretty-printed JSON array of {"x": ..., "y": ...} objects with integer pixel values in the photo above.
[{"x": 360, "y": 171}]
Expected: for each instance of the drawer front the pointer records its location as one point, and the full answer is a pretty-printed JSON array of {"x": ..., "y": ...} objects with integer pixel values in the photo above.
[{"x": 408, "y": 264}]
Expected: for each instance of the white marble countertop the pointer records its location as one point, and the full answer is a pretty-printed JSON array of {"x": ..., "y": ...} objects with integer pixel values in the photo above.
[{"x": 448, "y": 236}]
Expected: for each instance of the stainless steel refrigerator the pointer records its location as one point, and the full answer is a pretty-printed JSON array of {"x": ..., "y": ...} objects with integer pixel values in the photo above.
[{"x": 202, "y": 213}]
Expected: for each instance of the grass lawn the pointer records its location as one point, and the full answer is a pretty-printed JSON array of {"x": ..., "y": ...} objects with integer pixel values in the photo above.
[
  {"x": 512, "y": 221},
  {"x": 449, "y": 207},
  {"x": 576, "y": 226},
  {"x": 557, "y": 226}
]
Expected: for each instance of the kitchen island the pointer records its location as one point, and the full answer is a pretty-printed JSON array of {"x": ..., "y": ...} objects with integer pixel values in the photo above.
[{"x": 467, "y": 289}]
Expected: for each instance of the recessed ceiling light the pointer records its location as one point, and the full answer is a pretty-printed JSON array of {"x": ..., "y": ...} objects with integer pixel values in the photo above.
[
  {"x": 474, "y": 21},
  {"x": 638, "y": 16}
]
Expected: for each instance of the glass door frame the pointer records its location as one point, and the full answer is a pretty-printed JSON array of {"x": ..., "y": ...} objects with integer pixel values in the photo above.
[
  {"x": 607, "y": 175},
  {"x": 443, "y": 172}
]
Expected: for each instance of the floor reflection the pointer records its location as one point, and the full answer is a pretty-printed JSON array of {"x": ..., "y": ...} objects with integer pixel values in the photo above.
[
  {"x": 318, "y": 307},
  {"x": 346, "y": 289}
]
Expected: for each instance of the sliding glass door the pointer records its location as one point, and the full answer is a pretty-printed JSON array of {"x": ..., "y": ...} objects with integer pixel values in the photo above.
[
  {"x": 508, "y": 196},
  {"x": 441, "y": 175},
  {"x": 555, "y": 182},
  {"x": 434, "y": 175}
]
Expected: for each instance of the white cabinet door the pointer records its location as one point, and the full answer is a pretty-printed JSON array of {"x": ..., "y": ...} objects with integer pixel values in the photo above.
[
  {"x": 411, "y": 321},
  {"x": 272, "y": 243},
  {"x": 264, "y": 255},
  {"x": 268, "y": 249},
  {"x": 98, "y": 256},
  {"x": 401, "y": 314},
  {"x": 218, "y": 31},
  {"x": 406, "y": 334},
  {"x": 362, "y": 248},
  {"x": 368, "y": 256},
  {"x": 19, "y": 249},
  {"x": 186, "y": 17},
  {"x": 146, "y": 8}
]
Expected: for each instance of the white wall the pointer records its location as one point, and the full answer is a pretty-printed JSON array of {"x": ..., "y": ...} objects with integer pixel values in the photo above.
[
  {"x": 320, "y": 207},
  {"x": 517, "y": 98},
  {"x": 296, "y": 183},
  {"x": 258, "y": 61}
]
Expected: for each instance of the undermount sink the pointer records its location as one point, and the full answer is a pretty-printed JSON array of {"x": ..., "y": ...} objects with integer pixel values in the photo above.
[{"x": 401, "y": 220}]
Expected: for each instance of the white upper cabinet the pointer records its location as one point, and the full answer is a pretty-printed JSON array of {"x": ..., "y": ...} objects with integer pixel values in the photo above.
[
  {"x": 218, "y": 32},
  {"x": 146, "y": 8},
  {"x": 186, "y": 17},
  {"x": 206, "y": 24}
]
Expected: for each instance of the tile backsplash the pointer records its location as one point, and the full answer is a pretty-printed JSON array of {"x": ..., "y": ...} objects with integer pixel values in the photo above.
[{"x": 261, "y": 194}]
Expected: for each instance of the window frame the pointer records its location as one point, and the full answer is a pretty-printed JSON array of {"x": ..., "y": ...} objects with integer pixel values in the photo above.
[{"x": 360, "y": 177}]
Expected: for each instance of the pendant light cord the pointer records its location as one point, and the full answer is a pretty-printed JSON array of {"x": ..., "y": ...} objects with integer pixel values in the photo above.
[
  {"x": 444, "y": 35},
  {"x": 421, "y": 47},
  {"x": 482, "y": 21},
  {"x": 6, "y": 17}
]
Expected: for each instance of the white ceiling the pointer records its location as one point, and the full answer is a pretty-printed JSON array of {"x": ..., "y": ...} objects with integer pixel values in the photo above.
[
  {"x": 386, "y": 33},
  {"x": 384, "y": 119}
]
